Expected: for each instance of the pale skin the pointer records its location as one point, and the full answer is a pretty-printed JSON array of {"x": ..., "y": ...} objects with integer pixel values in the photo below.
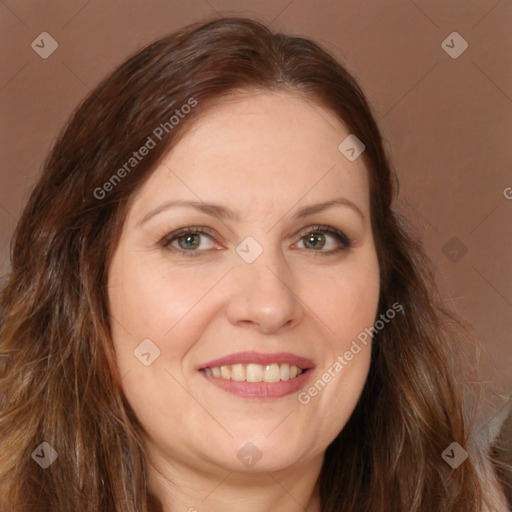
[{"x": 264, "y": 156}]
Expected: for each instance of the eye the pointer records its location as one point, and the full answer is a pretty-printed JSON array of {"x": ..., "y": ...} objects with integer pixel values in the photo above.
[
  {"x": 188, "y": 240},
  {"x": 317, "y": 239}
]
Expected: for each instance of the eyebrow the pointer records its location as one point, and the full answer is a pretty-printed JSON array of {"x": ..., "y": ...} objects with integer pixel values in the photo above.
[{"x": 224, "y": 213}]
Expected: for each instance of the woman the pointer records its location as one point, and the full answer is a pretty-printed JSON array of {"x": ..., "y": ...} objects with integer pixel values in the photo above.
[{"x": 212, "y": 305}]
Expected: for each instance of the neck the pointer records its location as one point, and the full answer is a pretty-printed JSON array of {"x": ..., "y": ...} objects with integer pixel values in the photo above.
[{"x": 180, "y": 487}]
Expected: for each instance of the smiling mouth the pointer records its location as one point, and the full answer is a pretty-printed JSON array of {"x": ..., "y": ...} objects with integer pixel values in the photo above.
[{"x": 253, "y": 372}]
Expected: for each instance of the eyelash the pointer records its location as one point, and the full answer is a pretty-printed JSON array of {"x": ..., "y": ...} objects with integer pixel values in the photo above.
[{"x": 344, "y": 240}]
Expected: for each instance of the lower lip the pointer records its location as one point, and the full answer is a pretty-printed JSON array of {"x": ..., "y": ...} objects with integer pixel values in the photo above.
[{"x": 261, "y": 390}]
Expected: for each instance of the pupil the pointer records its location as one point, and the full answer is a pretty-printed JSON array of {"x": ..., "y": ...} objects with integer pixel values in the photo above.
[
  {"x": 189, "y": 241},
  {"x": 315, "y": 239}
]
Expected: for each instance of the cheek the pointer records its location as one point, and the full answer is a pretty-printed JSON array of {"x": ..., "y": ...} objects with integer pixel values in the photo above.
[
  {"x": 346, "y": 302},
  {"x": 147, "y": 301},
  {"x": 349, "y": 312},
  {"x": 147, "y": 305}
]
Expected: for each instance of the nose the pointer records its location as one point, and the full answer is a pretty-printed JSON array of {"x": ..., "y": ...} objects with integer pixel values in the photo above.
[{"x": 263, "y": 295}]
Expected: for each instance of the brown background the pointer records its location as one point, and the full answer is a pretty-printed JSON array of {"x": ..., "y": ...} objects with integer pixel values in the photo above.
[{"x": 447, "y": 122}]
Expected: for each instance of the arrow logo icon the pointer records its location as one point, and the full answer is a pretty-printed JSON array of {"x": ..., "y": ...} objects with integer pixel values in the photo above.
[
  {"x": 249, "y": 454},
  {"x": 454, "y": 249},
  {"x": 454, "y": 455},
  {"x": 45, "y": 455},
  {"x": 454, "y": 45},
  {"x": 249, "y": 249},
  {"x": 147, "y": 352},
  {"x": 44, "y": 45},
  {"x": 351, "y": 147}
]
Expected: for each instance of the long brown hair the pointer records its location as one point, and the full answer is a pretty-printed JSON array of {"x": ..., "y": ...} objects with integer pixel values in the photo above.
[
  {"x": 501, "y": 456},
  {"x": 58, "y": 375}
]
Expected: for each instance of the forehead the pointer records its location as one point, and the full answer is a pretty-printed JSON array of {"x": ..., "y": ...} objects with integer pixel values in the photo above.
[{"x": 260, "y": 150}]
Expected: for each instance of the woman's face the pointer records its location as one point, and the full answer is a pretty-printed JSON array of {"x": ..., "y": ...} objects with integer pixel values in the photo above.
[{"x": 262, "y": 287}]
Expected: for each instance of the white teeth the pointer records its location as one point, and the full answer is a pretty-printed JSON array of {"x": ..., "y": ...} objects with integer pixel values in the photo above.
[
  {"x": 238, "y": 372},
  {"x": 255, "y": 372},
  {"x": 272, "y": 373},
  {"x": 225, "y": 372}
]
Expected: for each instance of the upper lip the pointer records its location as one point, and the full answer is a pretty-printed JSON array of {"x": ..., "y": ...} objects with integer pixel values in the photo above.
[{"x": 260, "y": 358}]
